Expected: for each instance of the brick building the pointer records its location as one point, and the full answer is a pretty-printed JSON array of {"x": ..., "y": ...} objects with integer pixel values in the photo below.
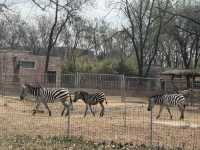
[{"x": 23, "y": 66}]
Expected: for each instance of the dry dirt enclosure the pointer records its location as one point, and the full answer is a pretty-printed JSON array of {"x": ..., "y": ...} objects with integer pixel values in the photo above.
[{"x": 122, "y": 122}]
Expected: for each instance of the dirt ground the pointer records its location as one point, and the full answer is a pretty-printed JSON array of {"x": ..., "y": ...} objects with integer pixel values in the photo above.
[{"x": 122, "y": 122}]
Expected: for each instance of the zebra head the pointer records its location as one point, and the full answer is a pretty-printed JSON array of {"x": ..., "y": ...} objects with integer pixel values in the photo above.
[
  {"x": 24, "y": 91},
  {"x": 151, "y": 103},
  {"x": 80, "y": 95},
  {"x": 29, "y": 89}
]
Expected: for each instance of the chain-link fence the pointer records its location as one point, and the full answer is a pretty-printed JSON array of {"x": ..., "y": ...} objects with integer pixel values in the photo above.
[{"x": 126, "y": 118}]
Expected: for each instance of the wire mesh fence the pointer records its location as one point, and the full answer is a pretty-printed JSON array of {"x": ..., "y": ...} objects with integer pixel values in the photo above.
[{"x": 126, "y": 118}]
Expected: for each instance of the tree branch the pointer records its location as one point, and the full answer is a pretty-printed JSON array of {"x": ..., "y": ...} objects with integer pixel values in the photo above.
[
  {"x": 41, "y": 7},
  {"x": 179, "y": 15},
  {"x": 185, "y": 30}
]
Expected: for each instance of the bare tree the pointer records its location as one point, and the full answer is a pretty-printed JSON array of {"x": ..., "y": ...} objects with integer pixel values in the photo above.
[
  {"x": 14, "y": 32},
  {"x": 121, "y": 45},
  {"x": 74, "y": 38},
  {"x": 186, "y": 34},
  {"x": 44, "y": 27},
  {"x": 168, "y": 54},
  {"x": 67, "y": 9},
  {"x": 145, "y": 25},
  {"x": 4, "y": 6},
  {"x": 32, "y": 41}
]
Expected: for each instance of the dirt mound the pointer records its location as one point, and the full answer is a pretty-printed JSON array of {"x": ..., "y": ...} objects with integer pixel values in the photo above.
[{"x": 184, "y": 124}]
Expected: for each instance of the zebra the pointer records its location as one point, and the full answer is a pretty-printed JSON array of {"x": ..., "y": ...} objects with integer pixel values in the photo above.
[
  {"x": 168, "y": 100},
  {"x": 45, "y": 95},
  {"x": 91, "y": 99}
]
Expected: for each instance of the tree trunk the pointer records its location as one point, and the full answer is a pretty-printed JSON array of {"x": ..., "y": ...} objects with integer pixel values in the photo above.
[
  {"x": 47, "y": 59},
  {"x": 51, "y": 43},
  {"x": 140, "y": 69}
]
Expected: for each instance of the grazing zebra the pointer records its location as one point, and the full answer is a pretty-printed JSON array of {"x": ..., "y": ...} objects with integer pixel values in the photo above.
[
  {"x": 168, "y": 100},
  {"x": 45, "y": 95},
  {"x": 91, "y": 99}
]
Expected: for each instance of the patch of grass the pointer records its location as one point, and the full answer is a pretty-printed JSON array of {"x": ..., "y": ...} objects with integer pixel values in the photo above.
[
  {"x": 19, "y": 142},
  {"x": 39, "y": 142}
]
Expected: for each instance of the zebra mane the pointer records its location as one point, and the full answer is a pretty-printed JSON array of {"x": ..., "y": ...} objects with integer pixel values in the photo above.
[
  {"x": 29, "y": 86},
  {"x": 158, "y": 95},
  {"x": 83, "y": 92}
]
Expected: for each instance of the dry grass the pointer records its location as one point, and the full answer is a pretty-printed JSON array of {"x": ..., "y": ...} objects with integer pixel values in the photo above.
[{"x": 122, "y": 122}]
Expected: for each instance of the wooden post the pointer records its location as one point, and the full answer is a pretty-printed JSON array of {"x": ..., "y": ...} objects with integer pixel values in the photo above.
[
  {"x": 188, "y": 81},
  {"x": 174, "y": 86}
]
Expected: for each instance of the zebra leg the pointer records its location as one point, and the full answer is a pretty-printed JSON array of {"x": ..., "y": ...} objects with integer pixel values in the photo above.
[
  {"x": 47, "y": 107},
  {"x": 36, "y": 108},
  {"x": 182, "y": 115},
  {"x": 71, "y": 102},
  {"x": 169, "y": 112},
  {"x": 71, "y": 106},
  {"x": 63, "y": 111},
  {"x": 63, "y": 108},
  {"x": 67, "y": 106},
  {"x": 181, "y": 109},
  {"x": 86, "y": 109},
  {"x": 91, "y": 110},
  {"x": 102, "y": 110},
  {"x": 160, "y": 111}
]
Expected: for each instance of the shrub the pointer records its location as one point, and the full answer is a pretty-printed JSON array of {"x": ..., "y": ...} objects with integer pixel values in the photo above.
[
  {"x": 126, "y": 67},
  {"x": 104, "y": 66},
  {"x": 107, "y": 66}
]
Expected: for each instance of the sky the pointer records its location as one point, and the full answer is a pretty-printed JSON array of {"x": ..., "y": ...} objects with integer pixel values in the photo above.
[{"x": 28, "y": 10}]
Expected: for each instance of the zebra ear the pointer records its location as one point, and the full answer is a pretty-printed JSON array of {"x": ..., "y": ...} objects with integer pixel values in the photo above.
[
  {"x": 38, "y": 84},
  {"x": 78, "y": 92},
  {"x": 23, "y": 86}
]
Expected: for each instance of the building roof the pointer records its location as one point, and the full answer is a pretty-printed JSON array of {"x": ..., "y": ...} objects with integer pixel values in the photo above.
[
  {"x": 60, "y": 51},
  {"x": 182, "y": 72},
  {"x": 14, "y": 51},
  {"x": 56, "y": 51}
]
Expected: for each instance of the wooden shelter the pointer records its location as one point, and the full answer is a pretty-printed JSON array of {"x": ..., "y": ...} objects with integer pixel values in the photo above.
[{"x": 189, "y": 74}]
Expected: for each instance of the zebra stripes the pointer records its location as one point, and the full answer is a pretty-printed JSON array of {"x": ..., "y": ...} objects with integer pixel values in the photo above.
[
  {"x": 45, "y": 95},
  {"x": 168, "y": 100},
  {"x": 91, "y": 99}
]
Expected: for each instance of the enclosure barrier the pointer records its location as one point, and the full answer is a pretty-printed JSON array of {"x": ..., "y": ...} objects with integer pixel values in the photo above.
[{"x": 126, "y": 118}]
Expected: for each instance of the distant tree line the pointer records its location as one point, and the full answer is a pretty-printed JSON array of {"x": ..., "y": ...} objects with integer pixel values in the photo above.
[{"x": 155, "y": 32}]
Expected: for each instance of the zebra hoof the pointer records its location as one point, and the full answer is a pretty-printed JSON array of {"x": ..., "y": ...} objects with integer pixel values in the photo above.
[
  {"x": 62, "y": 114},
  {"x": 101, "y": 114},
  {"x": 67, "y": 114},
  {"x": 33, "y": 114}
]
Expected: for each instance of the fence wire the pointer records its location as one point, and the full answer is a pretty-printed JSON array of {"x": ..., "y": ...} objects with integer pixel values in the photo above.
[{"x": 126, "y": 118}]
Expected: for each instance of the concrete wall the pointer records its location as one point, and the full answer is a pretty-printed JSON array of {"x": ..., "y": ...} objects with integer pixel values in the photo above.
[{"x": 9, "y": 71}]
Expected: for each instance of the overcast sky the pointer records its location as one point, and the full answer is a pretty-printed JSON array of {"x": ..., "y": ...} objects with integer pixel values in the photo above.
[{"x": 101, "y": 11}]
